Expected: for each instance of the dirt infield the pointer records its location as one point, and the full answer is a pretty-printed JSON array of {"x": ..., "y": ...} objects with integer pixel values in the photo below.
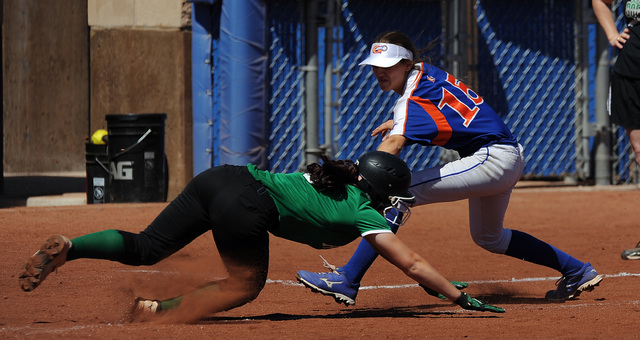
[{"x": 92, "y": 298}]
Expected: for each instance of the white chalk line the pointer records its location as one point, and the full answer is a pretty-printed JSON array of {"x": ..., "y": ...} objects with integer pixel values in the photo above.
[
  {"x": 512, "y": 280},
  {"x": 33, "y": 330},
  {"x": 295, "y": 283}
]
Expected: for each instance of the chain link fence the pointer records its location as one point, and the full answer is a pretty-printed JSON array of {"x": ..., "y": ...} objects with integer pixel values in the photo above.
[
  {"x": 532, "y": 67},
  {"x": 527, "y": 74},
  {"x": 287, "y": 101}
]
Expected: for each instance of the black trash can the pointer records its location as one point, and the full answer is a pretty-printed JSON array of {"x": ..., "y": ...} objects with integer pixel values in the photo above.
[
  {"x": 137, "y": 162},
  {"x": 97, "y": 159}
]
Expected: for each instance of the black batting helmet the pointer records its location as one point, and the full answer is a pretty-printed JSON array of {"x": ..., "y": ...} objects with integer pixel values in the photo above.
[{"x": 384, "y": 176}]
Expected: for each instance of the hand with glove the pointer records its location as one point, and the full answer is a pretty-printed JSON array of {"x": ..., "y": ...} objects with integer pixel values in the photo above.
[
  {"x": 432, "y": 292},
  {"x": 467, "y": 302}
]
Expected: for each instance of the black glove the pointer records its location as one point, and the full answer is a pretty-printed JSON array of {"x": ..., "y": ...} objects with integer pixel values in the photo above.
[
  {"x": 457, "y": 284},
  {"x": 467, "y": 302}
]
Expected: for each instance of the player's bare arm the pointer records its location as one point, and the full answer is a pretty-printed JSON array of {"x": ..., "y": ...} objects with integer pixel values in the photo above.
[
  {"x": 390, "y": 247},
  {"x": 602, "y": 10},
  {"x": 393, "y": 144},
  {"x": 383, "y": 129}
]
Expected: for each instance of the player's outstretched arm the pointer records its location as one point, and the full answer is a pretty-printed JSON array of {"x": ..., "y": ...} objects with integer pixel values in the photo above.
[{"x": 390, "y": 247}]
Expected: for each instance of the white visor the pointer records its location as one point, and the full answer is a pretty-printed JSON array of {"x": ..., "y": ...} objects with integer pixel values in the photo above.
[{"x": 386, "y": 55}]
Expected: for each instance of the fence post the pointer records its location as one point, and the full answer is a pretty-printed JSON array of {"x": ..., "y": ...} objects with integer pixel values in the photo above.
[
  {"x": 602, "y": 143},
  {"x": 328, "y": 80},
  {"x": 311, "y": 79},
  {"x": 584, "y": 17},
  {"x": 460, "y": 42}
]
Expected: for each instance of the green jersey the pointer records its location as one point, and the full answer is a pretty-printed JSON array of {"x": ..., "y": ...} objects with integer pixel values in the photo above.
[{"x": 319, "y": 218}]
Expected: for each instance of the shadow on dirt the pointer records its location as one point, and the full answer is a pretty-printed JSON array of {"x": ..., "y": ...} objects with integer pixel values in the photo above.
[
  {"x": 418, "y": 311},
  {"x": 421, "y": 311},
  {"x": 17, "y": 189}
]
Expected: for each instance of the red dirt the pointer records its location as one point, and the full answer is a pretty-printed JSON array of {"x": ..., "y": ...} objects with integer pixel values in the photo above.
[{"x": 92, "y": 298}]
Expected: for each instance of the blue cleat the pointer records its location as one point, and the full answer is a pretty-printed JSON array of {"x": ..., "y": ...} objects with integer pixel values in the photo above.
[
  {"x": 570, "y": 287},
  {"x": 333, "y": 283}
]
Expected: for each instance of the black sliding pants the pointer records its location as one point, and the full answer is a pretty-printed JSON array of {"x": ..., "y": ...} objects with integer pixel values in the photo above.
[{"x": 226, "y": 200}]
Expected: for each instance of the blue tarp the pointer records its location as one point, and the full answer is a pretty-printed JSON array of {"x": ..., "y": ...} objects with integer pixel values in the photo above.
[{"x": 241, "y": 73}]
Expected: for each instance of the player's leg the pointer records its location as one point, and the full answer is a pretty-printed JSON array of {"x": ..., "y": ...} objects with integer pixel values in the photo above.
[
  {"x": 343, "y": 283},
  {"x": 625, "y": 109},
  {"x": 634, "y": 139},
  {"x": 240, "y": 231},
  {"x": 179, "y": 223},
  {"x": 486, "y": 215},
  {"x": 247, "y": 265},
  {"x": 115, "y": 245},
  {"x": 182, "y": 221}
]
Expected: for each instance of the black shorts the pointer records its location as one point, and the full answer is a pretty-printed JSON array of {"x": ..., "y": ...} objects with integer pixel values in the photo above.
[
  {"x": 226, "y": 200},
  {"x": 625, "y": 102}
]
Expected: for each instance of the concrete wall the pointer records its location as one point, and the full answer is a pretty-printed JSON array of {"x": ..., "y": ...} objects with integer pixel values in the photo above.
[
  {"x": 46, "y": 85},
  {"x": 68, "y": 63}
]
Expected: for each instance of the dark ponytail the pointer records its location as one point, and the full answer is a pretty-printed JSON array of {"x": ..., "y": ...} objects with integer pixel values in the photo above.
[{"x": 333, "y": 173}]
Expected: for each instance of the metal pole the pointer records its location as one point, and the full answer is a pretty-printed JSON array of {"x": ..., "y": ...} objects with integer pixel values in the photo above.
[
  {"x": 311, "y": 79},
  {"x": 602, "y": 143},
  {"x": 328, "y": 81},
  {"x": 583, "y": 16},
  {"x": 455, "y": 14}
]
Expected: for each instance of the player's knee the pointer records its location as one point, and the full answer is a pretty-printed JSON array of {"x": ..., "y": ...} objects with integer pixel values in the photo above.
[
  {"x": 139, "y": 250},
  {"x": 489, "y": 246},
  {"x": 493, "y": 243},
  {"x": 249, "y": 282},
  {"x": 246, "y": 291},
  {"x": 253, "y": 294}
]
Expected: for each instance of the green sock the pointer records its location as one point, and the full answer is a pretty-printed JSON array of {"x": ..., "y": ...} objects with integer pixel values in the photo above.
[
  {"x": 171, "y": 303},
  {"x": 106, "y": 245},
  {"x": 202, "y": 292}
]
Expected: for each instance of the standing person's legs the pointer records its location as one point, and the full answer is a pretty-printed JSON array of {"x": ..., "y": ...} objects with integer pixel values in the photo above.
[
  {"x": 634, "y": 139},
  {"x": 625, "y": 111},
  {"x": 486, "y": 217}
]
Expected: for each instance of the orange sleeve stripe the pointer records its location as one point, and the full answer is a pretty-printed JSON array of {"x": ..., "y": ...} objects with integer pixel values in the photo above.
[{"x": 444, "y": 129}]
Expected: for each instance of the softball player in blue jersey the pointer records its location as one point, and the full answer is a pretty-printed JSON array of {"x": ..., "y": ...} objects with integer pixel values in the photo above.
[{"x": 435, "y": 108}]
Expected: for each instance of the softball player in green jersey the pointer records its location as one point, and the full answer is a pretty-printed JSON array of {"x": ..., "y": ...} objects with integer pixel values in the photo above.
[{"x": 333, "y": 203}]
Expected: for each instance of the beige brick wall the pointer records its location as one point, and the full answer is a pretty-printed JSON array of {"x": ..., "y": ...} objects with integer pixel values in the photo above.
[{"x": 165, "y": 14}]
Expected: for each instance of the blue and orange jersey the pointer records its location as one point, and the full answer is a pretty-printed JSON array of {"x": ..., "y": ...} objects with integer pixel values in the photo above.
[{"x": 437, "y": 109}]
